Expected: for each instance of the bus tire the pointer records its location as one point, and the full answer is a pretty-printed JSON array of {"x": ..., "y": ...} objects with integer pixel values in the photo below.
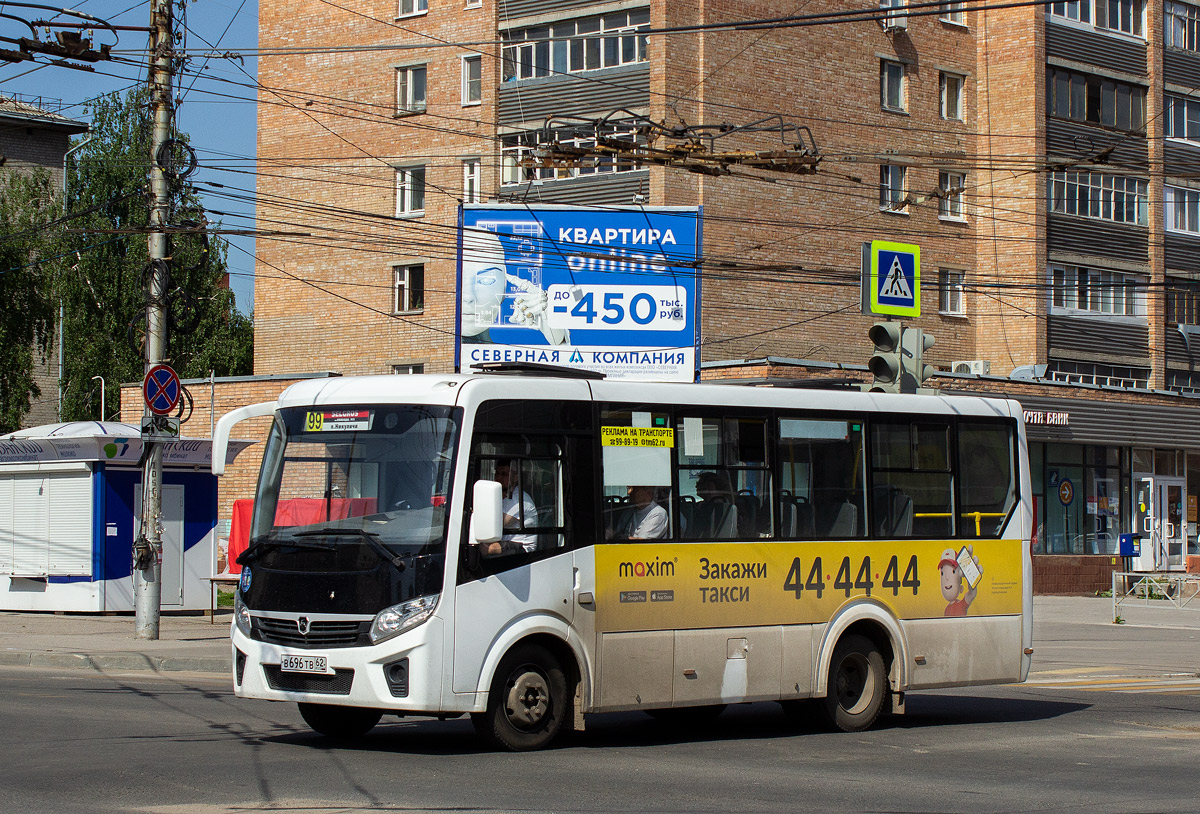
[
  {"x": 342, "y": 723},
  {"x": 527, "y": 703},
  {"x": 857, "y": 685},
  {"x": 687, "y": 716}
]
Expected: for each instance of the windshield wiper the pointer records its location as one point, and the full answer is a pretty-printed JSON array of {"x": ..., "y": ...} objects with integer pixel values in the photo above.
[
  {"x": 368, "y": 537},
  {"x": 258, "y": 549}
]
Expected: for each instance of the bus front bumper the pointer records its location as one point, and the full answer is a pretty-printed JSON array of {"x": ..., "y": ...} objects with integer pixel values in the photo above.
[{"x": 405, "y": 673}]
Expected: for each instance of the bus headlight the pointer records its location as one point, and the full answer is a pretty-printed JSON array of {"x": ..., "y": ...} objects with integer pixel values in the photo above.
[
  {"x": 395, "y": 620},
  {"x": 241, "y": 614}
]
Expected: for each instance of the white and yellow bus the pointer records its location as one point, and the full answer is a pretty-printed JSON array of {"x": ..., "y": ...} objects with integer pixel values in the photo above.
[{"x": 529, "y": 549}]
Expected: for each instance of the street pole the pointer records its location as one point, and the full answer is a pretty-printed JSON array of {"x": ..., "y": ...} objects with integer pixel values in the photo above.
[
  {"x": 147, "y": 550},
  {"x": 101, "y": 378}
]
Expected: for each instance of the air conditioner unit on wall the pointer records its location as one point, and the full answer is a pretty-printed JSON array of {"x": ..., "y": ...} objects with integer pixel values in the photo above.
[
  {"x": 894, "y": 20},
  {"x": 979, "y": 367}
]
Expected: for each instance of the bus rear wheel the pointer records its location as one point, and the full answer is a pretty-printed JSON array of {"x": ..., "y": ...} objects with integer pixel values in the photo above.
[
  {"x": 527, "y": 703},
  {"x": 857, "y": 685},
  {"x": 342, "y": 723}
]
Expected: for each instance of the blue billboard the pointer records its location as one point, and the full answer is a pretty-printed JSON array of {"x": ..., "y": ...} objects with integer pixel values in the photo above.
[{"x": 613, "y": 290}]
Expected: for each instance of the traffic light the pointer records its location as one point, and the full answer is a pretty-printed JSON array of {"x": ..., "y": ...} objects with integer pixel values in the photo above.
[
  {"x": 885, "y": 364},
  {"x": 914, "y": 371}
]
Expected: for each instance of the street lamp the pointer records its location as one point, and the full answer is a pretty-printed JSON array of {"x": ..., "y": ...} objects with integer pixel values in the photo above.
[{"x": 101, "y": 378}]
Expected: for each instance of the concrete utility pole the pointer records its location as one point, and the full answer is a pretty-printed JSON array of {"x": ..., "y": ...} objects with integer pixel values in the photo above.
[{"x": 147, "y": 549}]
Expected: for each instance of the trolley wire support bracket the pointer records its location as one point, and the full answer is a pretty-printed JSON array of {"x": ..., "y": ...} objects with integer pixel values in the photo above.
[
  {"x": 624, "y": 138},
  {"x": 1176, "y": 587}
]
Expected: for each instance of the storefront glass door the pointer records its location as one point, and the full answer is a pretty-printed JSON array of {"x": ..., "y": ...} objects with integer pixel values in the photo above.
[{"x": 1172, "y": 525}]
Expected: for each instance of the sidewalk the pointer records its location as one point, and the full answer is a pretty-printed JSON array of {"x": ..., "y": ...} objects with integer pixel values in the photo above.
[
  {"x": 107, "y": 643},
  {"x": 1070, "y": 633}
]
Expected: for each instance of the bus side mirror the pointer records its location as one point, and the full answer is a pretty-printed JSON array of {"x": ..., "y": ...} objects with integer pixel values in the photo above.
[{"x": 487, "y": 517}]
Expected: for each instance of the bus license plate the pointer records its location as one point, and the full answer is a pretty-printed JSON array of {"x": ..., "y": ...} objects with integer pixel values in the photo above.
[{"x": 304, "y": 664}]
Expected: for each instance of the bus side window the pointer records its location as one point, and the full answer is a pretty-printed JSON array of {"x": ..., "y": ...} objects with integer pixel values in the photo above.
[
  {"x": 531, "y": 470},
  {"x": 912, "y": 492},
  {"x": 822, "y": 479},
  {"x": 987, "y": 484},
  {"x": 638, "y": 500},
  {"x": 724, "y": 477}
]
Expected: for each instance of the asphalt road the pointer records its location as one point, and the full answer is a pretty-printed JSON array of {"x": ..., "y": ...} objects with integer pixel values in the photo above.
[{"x": 1087, "y": 740}]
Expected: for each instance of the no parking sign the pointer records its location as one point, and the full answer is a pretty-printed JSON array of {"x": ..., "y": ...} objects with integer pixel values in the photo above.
[{"x": 161, "y": 389}]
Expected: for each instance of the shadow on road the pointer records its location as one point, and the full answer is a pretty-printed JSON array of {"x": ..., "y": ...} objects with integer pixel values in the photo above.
[{"x": 743, "y": 722}]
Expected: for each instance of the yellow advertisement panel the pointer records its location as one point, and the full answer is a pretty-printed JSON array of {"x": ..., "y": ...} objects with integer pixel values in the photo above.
[
  {"x": 680, "y": 586},
  {"x": 637, "y": 437}
]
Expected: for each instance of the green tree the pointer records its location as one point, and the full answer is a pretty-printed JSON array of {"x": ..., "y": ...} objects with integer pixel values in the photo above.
[
  {"x": 104, "y": 282},
  {"x": 27, "y": 206}
]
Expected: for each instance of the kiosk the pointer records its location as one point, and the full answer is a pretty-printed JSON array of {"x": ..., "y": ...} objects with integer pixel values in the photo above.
[{"x": 70, "y": 506}]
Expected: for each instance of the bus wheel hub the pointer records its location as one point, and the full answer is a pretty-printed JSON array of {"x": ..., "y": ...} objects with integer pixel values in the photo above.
[{"x": 528, "y": 699}]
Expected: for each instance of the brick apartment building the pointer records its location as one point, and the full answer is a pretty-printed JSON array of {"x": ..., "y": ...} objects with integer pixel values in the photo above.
[{"x": 1040, "y": 156}]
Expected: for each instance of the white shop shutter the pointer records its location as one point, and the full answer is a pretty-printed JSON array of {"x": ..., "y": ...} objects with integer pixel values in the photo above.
[
  {"x": 70, "y": 525},
  {"x": 6, "y": 525},
  {"x": 30, "y": 544}
]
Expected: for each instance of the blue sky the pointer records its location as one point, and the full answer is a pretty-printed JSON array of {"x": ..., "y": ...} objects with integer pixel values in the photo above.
[{"x": 216, "y": 113}]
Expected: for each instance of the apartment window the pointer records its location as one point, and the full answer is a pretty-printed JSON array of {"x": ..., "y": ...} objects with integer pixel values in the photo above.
[
  {"x": 1100, "y": 291},
  {"x": 474, "y": 3},
  {"x": 518, "y": 149},
  {"x": 1183, "y": 118},
  {"x": 1097, "y": 374},
  {"x": 953, "y": 13},
  {"x": 411, "y": 8},
  {"x": 1183, "y": 301},
  {"x": 892, "y": 189},
  {"x": 471, "y": 178},
  {"x": 951, "y": 187},
  {"x": 1181, "y": 207},
  {"x": 574, "y": 46},
  {"x": 1092, "y": 99},
  {"x": 950, "y": 292},
  {"x": 952, "y": 95},
  {"x": 1182, "y": 22},
  {"x": 409, "y": 288},
  {"x": 1121, "y": 15},
  {"x": 408, "y": 370},
  {"x": 472, "y": 80},
  {"x": 1099, "y": 195},
  {"x": 891, "y": 85},
  {"x": 410, "y": 90},
  {"x": 1126, "y": 16},
  {"x": 410, "y": 191}
]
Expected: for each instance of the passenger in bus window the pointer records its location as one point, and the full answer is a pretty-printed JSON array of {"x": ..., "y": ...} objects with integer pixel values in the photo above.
[
  {"x": 645, "y": 519},
  {"x": 520, "y": 512}
]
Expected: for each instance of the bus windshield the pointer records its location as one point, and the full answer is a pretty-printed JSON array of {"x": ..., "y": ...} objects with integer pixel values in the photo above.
[{"x": 375, "y": 476}]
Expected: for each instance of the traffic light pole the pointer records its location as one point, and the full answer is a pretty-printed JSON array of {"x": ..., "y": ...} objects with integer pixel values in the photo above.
[{"x": 147, "y": 550}]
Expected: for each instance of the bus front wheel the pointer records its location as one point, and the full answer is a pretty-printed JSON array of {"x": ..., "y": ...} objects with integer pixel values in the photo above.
[
  {"x": 527, "y": 703},
  {"x": 339, "y": 722},
  {"x": 857, "y": 685}
]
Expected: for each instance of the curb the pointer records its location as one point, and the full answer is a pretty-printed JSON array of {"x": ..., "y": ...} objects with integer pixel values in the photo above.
[{"x": 117, "y": 662}]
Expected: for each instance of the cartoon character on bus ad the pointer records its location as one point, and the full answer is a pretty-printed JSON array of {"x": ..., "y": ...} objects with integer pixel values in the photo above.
[{"x": 954, "y": 570}]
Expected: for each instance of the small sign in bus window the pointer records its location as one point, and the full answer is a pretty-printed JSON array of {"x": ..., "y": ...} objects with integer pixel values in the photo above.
[{"x": 637, "y": 437}]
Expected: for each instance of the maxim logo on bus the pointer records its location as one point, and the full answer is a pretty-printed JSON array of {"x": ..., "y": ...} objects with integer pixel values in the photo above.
[{"x": 657, "y": 568}]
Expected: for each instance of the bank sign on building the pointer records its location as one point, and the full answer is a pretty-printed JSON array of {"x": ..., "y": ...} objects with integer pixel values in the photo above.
[{"x": 613, "y": 290}]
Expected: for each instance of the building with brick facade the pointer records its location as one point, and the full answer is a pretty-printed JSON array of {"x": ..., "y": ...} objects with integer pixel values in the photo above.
[
  {"x": 32, "y": 136},
  {"x": 1040, "y": 157}
]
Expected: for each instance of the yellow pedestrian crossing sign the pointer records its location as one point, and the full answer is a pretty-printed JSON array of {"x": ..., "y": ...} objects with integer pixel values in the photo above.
[{"x": 895, "y": 279}]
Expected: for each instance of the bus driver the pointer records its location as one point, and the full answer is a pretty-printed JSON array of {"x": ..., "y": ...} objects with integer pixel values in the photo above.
[{"x": 520, "y": 512}]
